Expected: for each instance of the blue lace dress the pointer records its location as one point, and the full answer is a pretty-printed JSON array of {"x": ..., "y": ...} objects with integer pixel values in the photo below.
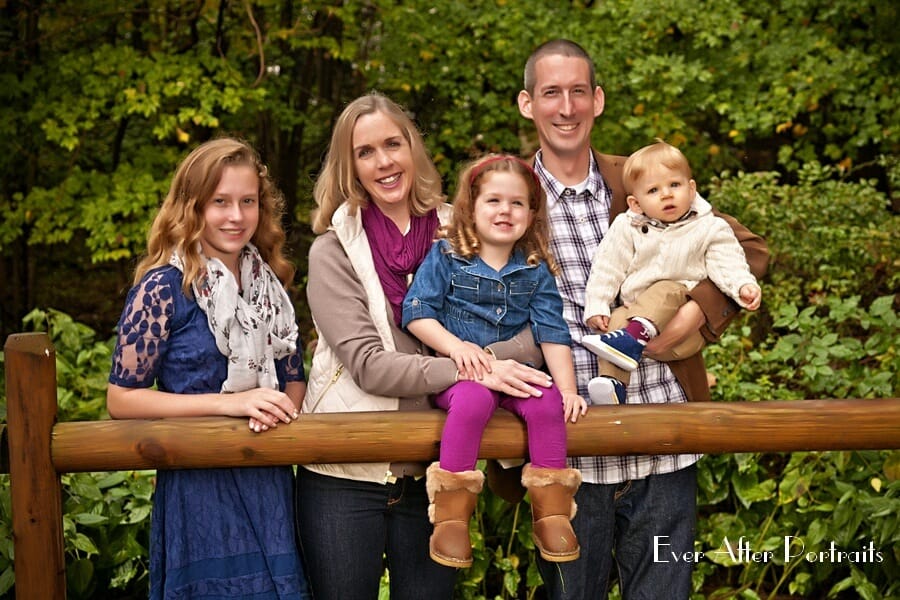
[{"x": 215, "y": 533}]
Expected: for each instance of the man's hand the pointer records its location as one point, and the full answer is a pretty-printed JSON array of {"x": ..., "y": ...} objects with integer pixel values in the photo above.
[{"x": 687, "y": 320}]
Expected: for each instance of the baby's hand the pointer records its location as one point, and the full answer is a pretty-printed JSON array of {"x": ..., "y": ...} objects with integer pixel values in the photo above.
[
  {"x": 471, "y": 360},
  {"x": 573, "y": 405},
  {"x": 598, "y": 323},
  {"x": 751, "y": 296}
]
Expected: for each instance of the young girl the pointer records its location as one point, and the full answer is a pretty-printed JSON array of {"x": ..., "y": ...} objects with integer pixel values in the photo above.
[
  {"x": 208, "y": 329},
  {"x": 490, "y": 276}
]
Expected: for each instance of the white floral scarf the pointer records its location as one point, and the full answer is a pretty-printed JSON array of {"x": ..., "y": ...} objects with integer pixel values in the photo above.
[{"x": 252, "y": 328}]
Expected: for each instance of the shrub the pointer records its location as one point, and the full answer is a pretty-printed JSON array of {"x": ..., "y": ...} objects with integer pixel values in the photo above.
[{"x": 105, "y": 515}]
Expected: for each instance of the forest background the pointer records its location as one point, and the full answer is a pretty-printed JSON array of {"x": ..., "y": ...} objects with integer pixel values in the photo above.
[{"x": 787, "y": 111}]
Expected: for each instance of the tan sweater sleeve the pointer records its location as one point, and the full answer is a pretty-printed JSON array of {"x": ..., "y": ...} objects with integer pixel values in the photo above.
[
  {"x": 521, "y": 347},
  {"x": 719, "y": 309},
  {"x": 337, "y": 301}
]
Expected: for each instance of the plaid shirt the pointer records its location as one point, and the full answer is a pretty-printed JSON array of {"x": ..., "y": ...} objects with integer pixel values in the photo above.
[{"x": 578, "y": 222}]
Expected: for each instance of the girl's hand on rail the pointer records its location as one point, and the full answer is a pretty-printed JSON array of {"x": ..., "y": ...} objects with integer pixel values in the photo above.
[
  {"x": 265, "y": 407},
  {"x": 573, "y": 406}
]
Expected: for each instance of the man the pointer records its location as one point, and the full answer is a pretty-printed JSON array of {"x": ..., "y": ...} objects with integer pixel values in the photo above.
[{"x": 631, "y": 509}]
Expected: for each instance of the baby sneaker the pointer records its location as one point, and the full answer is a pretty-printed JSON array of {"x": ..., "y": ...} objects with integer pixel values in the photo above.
[
  {"x": 606, "y": 390},
  {"x": 618, "y": 347}
]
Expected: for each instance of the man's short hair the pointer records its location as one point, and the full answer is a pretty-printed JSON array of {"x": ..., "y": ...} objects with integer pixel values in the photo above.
[{"x": 557, "y": 47}]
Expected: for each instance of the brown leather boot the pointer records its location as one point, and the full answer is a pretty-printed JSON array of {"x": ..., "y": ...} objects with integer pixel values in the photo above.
[
  {"x": 452, "y": 497},
  {"x": 552, "y": 509}
]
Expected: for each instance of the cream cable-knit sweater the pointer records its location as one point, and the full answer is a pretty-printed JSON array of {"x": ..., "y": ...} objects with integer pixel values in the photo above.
[{"x": 637, "y": 252}]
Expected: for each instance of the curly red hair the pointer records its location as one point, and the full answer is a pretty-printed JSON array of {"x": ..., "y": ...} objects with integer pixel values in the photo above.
[{"x": 461, "y": 234}]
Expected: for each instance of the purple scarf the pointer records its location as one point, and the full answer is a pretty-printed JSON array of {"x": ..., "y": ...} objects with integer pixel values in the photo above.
[{"x": 396, "y": 255}]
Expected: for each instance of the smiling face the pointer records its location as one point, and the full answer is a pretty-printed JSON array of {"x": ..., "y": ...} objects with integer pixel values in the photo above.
[
  {"x": 502, "y": 212},
  {"x": 662, "y": 193},
  {"x": 383, "y": 162},
  {"x": 563, "y": 105},
  {"x": 231, "y": 215}
]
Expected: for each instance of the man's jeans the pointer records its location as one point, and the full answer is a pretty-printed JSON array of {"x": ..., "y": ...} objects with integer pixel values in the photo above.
[
  {"x": 346, "y": 527},
  {"x": 638, "y": 526}
]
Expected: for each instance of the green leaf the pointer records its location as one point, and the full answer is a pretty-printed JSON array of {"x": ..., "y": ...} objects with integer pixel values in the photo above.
[
  {"x": 83, "y": 543},
  {"x": 79, "y": 574},
  {"x": 89, "y": 519},
  {"x": 7, "y": 579}
]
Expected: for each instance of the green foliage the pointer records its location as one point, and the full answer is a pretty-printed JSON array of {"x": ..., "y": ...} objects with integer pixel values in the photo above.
[
  {"x": 7, "y": 550},
  {"x": 759, "y": 85},
  {"x": 827, "y": 519},
  {"x": 790, "y": 103},
  {"x": 106, "y": 519},
  {"x": 503, "y": 551},
  {"x": 105, "y": 515},
  {"x": 828, "y": 322},
  {"x": 828, "y": 237},
  {"x": 104, "y": 107},
  {"x": 82, "y": 364},
  {"x": 827, "y": 330}
]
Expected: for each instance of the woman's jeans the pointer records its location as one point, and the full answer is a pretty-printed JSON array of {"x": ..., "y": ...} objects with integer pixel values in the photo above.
[{"x": 350, "y": 530}]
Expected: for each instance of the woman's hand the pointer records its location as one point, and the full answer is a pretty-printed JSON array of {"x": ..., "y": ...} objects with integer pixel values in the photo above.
[
  {"x": 515, "y": 379},
  {"x": 265, "y": 407}
]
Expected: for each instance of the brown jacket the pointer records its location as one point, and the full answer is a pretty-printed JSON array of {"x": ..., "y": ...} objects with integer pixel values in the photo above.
[{"x": 719, "y": 309}]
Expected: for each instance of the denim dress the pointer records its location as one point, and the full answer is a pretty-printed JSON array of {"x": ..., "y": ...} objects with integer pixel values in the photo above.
[{"x": 478, "y": 304}]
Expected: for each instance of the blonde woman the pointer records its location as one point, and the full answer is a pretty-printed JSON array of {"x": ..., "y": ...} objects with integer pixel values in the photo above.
[{"x": 379, "y": 206}]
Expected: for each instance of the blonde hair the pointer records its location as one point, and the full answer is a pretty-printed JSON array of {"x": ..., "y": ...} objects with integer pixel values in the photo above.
[
  {"x": 460, "y": 232},
  {"x": 338, "y": 182},
  {"x": 655, "y": 154},
  {"x": 179, "y": 224}
]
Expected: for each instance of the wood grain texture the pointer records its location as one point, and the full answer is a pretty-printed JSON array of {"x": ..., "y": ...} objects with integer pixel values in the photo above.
[
  {"x": 390, "y": 436},
  {"x": 35, "y": 488}
]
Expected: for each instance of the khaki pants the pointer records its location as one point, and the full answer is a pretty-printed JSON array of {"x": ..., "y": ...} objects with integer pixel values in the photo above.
[{"x": 658, "y": 304}]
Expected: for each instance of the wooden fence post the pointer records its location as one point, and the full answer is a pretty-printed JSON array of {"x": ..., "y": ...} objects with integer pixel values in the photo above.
[{"x": 35, "y": 487}]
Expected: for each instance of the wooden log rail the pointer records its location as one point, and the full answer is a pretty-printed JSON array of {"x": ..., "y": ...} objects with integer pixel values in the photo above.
[{"x": 37, "y": 449}]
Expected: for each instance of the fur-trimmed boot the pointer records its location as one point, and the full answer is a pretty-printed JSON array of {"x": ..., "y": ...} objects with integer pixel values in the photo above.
[
  {"x": 452, "y": 498},
  {"x": 552, "y": 509}
]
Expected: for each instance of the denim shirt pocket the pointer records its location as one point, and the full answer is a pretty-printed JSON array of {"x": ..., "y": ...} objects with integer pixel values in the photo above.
[
  {"x": 465, "y": 287},
  {"x": 522, "y": 285}
]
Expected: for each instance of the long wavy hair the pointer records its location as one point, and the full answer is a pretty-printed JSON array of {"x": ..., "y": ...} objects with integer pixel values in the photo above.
[
  {"x": 460, "y": 232},
  {"x": 179, "y": 224},
  {"x": 338, "y": 182}
]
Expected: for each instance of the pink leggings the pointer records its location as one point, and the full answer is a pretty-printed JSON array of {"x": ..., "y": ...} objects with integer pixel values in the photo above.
[{"x": 469, "y": 407}]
